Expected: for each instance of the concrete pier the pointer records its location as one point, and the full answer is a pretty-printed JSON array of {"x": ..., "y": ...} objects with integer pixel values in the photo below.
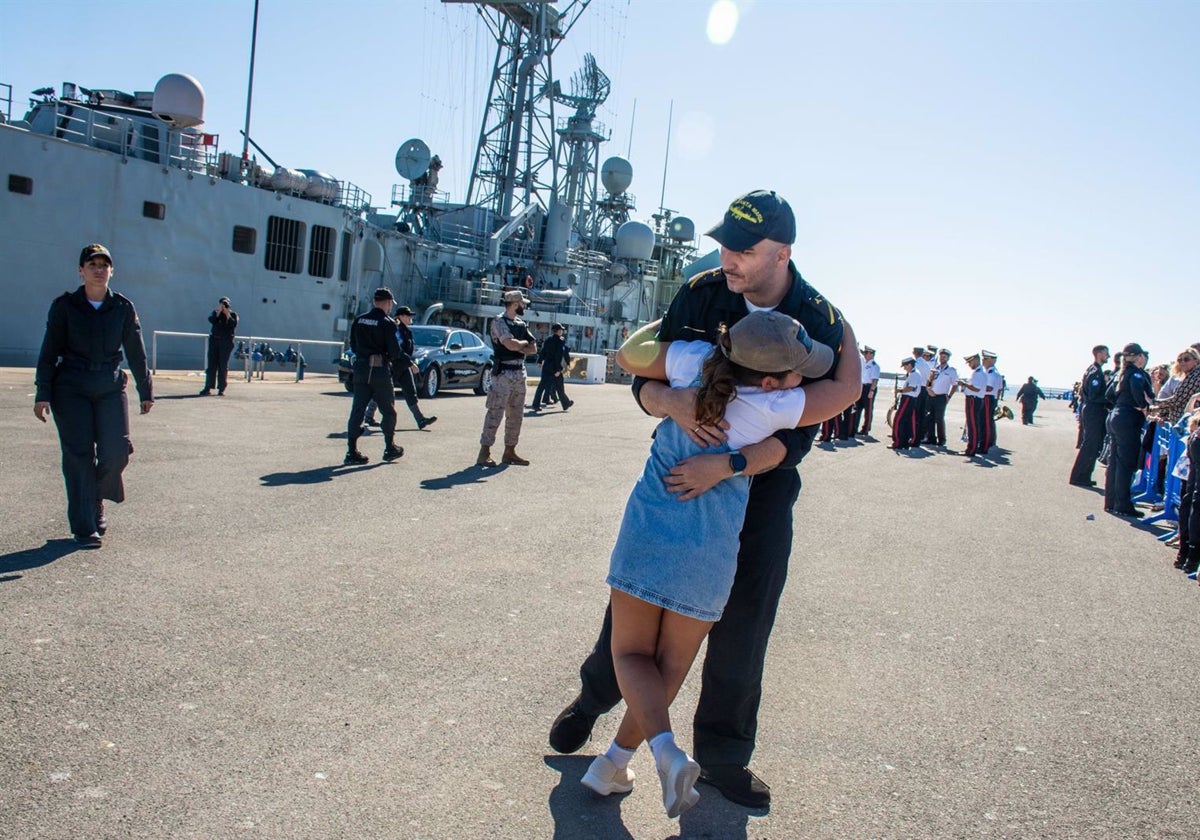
[{"x": 271, "y": 645}]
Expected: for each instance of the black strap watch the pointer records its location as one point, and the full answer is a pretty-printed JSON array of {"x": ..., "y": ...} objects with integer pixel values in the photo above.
[{"x": 737, "y": 462}]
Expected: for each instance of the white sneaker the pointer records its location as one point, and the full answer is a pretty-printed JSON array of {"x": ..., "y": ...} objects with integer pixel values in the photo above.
[
  {"x": 678, "y": 781},
  {"x": 604, "y": 777}
]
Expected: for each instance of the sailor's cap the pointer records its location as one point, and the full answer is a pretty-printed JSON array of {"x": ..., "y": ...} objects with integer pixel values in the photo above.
[
  {"x": 908, "y": 360},
  {"x": 989, "y": 354},
  {"x": 867, "y": 349}
]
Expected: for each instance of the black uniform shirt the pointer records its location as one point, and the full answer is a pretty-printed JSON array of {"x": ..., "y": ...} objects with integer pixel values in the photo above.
[
  {"x": 1133, "y": 389},
  {"x": 374, "y": 334},
  {"x": 78, "y": 333},
  {"x": 223, "y": 326},
  {"x": 705, "y": 303},
  {"x": 555, "y": 354},
  {"x": 1092, "y": 388},
  {"x": 408, "y": 346}
]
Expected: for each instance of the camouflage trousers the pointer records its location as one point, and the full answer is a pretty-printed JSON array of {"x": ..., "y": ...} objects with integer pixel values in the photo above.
[{"x": 505, "y": 400}]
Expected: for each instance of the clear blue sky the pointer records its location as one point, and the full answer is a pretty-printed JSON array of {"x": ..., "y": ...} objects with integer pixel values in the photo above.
[{"x": 1020, "y": 176}]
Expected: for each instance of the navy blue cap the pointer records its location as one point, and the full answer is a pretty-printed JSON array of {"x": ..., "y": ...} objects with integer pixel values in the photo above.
[
  {"x": 754, "y": 217},
  {"x": 383, "y": 293}
]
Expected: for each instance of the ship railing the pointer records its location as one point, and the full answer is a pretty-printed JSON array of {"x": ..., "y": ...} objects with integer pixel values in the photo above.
[
  {"x": 354, "y": 197},
  {"x": 6, "y": 98},
  {"x": 190, "y": 151},
  {"x": 254, "y": 368},
  {"x": 419, "y": 195}
]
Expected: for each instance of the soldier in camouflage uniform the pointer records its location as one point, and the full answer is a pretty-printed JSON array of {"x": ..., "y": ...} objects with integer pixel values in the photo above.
[{"x": 512, "y": 342}]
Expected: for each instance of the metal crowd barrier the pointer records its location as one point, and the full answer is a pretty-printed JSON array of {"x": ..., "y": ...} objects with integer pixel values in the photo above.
[
  {"x": 251, "y": 366},
  {"x": 1169, "y": 445}
]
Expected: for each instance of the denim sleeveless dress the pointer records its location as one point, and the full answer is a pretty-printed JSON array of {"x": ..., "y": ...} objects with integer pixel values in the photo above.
[{"x": 679, "y": 555}]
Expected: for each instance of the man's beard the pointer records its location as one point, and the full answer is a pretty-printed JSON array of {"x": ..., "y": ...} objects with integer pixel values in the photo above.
[{"x": 520, "y": 310}]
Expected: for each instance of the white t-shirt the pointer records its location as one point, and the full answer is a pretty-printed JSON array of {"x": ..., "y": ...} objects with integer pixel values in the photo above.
[
  {"x": 921, "y": 366},
  {"x": 753, "y": 414}
]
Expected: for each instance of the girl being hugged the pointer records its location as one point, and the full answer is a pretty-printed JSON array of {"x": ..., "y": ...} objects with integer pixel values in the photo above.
[{"x": 673, "y": 564}]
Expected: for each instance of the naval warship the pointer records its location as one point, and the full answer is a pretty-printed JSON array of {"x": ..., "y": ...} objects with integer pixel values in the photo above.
[{"x": 300, "y": 250}]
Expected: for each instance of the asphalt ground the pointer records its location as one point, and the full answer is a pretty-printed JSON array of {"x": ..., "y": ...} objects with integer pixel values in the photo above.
[{"x": 270, "y": 645}]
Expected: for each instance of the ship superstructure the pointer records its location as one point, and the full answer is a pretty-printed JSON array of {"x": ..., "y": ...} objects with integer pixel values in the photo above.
[{"x": 299, "y": 250}]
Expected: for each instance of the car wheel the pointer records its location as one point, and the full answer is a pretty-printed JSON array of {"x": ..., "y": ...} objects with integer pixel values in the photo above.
[
  {"x": 485, "y": 382},
  {"x": 432, "y": 382},
  {"x": 349, "y": 383}
]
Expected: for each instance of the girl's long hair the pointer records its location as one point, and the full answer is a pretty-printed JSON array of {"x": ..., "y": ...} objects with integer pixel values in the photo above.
[{"x": 719, "y": 378}]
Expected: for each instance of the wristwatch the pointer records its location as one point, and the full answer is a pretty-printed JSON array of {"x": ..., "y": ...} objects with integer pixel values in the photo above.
[{"x": 737, "y": 462}]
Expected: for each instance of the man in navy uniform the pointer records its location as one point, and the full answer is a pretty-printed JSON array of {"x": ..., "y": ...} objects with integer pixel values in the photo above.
[
  {"x": 1093, "y": 411},
  {"x": 220, "y": 345},
  {"x": 376, "y": 355},
  {"x": 755, "y": 235},
  {"x": 865, "y": 407},
  {"x": 555, "y": 356},
  {"x": 405, "y": 372},
  {"x": 941, "y": 388}
]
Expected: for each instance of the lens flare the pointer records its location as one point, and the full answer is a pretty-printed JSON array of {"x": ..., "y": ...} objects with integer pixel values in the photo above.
[{"x": 722, "y": 22}]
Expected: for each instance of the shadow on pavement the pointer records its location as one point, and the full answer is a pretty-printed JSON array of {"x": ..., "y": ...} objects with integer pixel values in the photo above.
[
  {"x": 473, "y": 474},
  {"x": 32, "y": 558},
  {"x": 579, "y": 813},
  {"x": 317, "y": 475}
]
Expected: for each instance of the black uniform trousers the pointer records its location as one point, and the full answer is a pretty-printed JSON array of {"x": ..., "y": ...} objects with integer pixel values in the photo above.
[
  {"x": 1091, "y": 438},
  {"x": 407, "y": 383},
  {"x": 936, "y": 433},
  {"x": 217, "y": 371},
  {"x": 726, "y": 721},
  {"x": 845, "y": 424},
  {"x": 550, "y": 385},
  {"x": 864, "y": 410},
  {"x": 922, "y": 414},
  {"x": 975, "y": 410},
  {"x": 991, "y": 423},
  {"x": 1125, "y": 427},
  {"x": 372, "y": 383},
  {"x": 1189, "y": 516},
  {"x": 1185, "y": 525},
  {"x": 91, "y": 411},
  {"x": 905, "y": 424}
]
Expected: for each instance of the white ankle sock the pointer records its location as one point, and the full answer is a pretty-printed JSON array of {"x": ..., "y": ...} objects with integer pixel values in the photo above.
[
  {"x": 659, "y": 741},
  {"x": 619, "y": 756}
]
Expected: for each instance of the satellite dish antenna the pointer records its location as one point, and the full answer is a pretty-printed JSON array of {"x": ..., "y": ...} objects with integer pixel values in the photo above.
[{"x": 412, "y": 159}]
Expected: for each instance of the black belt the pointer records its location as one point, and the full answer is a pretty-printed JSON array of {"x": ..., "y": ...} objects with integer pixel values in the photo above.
[
  {"x": 512, "y": 365},
  {"x": 82, "y": 364}
]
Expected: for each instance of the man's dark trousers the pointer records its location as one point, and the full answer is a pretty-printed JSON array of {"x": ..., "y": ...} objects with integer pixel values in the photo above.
[
  {"x": 219, "y": 351},
  {"x": 726, "y": 721},
  {"x": 863, "y": 409},
  {"x": 936, "y": 433},
  {"x": 921, "y": 407},
  {"x": 372, "y": 383},
  {"x": 1091, "y": 438},
  {"x": 550, "y": 384},
  {"x": 407, "y": 383}
]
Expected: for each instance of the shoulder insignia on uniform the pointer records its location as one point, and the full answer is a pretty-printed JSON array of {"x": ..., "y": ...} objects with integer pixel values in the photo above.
[{"x": 706, "y": 277}]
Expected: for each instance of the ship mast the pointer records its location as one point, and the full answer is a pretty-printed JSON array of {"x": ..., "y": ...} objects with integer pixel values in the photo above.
[{"x": 517, "y": 140}]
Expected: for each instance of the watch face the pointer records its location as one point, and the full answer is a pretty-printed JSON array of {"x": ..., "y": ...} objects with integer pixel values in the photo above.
[{"x": 737, "y": 461}]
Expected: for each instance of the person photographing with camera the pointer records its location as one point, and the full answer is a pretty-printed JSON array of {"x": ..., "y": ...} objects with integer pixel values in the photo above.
[{"x": 220, "y": 346}]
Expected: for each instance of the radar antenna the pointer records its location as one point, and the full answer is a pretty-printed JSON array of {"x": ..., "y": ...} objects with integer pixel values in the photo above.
[{"x": 516, "y": 139}]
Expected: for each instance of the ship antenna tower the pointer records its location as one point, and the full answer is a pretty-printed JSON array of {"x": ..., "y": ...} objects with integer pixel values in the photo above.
[
  {"x": 579, "y": 146},
  {"x": 517, "y": 139}
]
